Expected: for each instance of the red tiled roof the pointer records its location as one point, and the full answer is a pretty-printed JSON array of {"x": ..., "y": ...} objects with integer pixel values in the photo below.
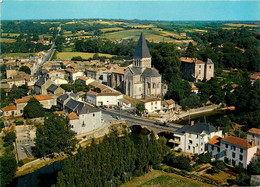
[
  {"x": 9, "y": 108},
  {"x": 170, "y": 101},
  {"x": 73, "y": 116},
  {"x": 215, "y": 140},
  {"x": 254, "y": 131},
  {"x": 38, "y": 97},
  {"x": 238, "y": 141},
  {"x": 191, "y": 60}
]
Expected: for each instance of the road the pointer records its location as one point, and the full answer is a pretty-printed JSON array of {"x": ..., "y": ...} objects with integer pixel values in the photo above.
[
  {"x": 47, "y": 58},
  {"x": 135, "y": 120}
]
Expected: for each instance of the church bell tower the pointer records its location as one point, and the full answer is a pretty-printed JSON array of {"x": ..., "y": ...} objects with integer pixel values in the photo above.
[{"x": 142, "y": 57}]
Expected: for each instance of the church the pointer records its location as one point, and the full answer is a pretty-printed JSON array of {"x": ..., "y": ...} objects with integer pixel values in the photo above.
[{"x": 141, "y": 80}]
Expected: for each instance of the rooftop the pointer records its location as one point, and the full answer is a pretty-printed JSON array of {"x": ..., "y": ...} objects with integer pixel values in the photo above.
[
  {"x": 238, "y": 141},
  {"x": 150, "y": 100},
  {"x": 73, "y": 116},
  {"x": 254, "y": 131},
  {"x": 9, "y": 108},
  {"x": 142, "y": 50},
  {"x": 191, "y": 60},
  {"x": 197, "y": 128},
  {"x": 215, "y": 140}
]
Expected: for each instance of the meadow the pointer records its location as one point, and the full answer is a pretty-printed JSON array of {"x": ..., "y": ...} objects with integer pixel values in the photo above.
[{"x": 161, "y": 178}]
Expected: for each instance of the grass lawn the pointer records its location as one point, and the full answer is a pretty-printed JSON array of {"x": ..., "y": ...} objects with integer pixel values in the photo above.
[
  {"x": 17, "y": 54},
  {"x": 69, "y": 55},
  {"x": 161, "y": 178},
  {"x": 8, "y": 40}
]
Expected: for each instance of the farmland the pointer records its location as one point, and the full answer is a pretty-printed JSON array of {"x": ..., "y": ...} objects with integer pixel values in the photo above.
[
  {"x": 69, "y": 55},
  {"x": 17, "y": 54}
]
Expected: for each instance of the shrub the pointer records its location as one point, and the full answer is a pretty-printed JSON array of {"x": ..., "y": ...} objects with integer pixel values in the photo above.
[{"x": 20, "y": 163}]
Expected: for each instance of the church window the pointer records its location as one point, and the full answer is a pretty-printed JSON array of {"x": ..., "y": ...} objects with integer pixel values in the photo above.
[
  {"x": 209, "y": 67},
  {"x": 199, "y": 66},
  {"x": 140, "y": 89},
  {"x": 158, "y": 85},
  {"x": 154, "y": 85},
  {"x": 199, "y": 71}
]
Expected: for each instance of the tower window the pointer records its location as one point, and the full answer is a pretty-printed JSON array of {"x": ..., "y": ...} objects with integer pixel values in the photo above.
[{"x": 209, "y": 67}]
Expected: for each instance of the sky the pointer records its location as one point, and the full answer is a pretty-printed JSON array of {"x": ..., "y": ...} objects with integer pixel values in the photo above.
[{"x": 192, "y": 10}]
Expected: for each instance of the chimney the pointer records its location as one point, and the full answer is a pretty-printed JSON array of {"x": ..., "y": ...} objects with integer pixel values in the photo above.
[
  {"x": 226, "y": 135},
  {"x": 191, "y": 123},
  {"x": 87, "y": 110}
]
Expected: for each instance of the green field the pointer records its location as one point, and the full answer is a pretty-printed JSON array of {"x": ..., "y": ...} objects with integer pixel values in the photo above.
[
  {"x": 161, "y": 178},
  {"x": 69, "y": 55},
  {"x": 17, "y": 54},
  {"x": 8, "y": 40}
]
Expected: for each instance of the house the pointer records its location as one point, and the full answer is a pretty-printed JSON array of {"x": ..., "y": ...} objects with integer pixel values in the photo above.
[
  {"x": 254, "y": 77},
  {"x": 47, "y": 101},
  {"x": 42, "y": 84},
  {"x": 63, "y": 99},
  {"x": 10, "y": 71},
  {"x": 142, "y": 80},
  {"x": 168, "y": 105},
  {"x": 74, "y": 74},
  {"x": 152, "y": 104},
  {"x": 56, "y": 74},
  {"x": 101, "y": 95},
  {"x": 85, "y": 80},
  {"x": 55, "y": 89},
  {"x": 95, "y": 73},
  {"x": 196, "y": 70},
  {"x": 232, "y": 150},
  {"x": 8, "y": 111},
  {"x": 253, "y": 134},
  {"x": 193, "y": 138},
  {"x": 18, "y": 109},
  {"x": 124, "y": 103},
  {"x": 84, "y": 118}
]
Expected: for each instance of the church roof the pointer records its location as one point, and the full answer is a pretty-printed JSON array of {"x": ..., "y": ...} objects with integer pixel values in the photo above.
[
  {"x": 150, "y": 72},
  {"x": 142, "y": 50},
  {"x": 135, "y": 70}
]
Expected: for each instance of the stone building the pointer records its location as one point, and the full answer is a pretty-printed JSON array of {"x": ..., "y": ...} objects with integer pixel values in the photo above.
[
  {"x": 196, "y": 70},
  {"x": 141, "y": 80}
]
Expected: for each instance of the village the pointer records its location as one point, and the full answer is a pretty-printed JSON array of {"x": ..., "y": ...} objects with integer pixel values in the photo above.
[{"x": 97, "y": 95}]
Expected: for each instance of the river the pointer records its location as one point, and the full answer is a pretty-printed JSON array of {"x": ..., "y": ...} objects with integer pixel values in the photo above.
[{"x": 44, "y": 177}]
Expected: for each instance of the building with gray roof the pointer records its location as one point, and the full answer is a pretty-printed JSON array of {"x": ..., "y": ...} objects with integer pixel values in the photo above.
[
  {"x": 141, "y": 80},
  {"x": 193, "y": 138}
]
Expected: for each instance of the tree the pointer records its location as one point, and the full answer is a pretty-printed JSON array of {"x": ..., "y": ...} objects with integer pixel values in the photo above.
[
  {"x": 25, "y": 69},
  {"x": 254, "y": 167},
  {"x": 204, "y": 158},
  {"x": 8, "y": 168},
  {"x": 191, "y": 51},
  {"x": 140, "y": 108},
  {"x": 9, "y": 138},
  {"x": 54, "y": 136},
  {"x": 33, "y": 109}
]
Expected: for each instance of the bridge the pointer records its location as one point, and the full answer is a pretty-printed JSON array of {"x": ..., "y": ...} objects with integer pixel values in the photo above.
[{"x": 148, "y": 123}]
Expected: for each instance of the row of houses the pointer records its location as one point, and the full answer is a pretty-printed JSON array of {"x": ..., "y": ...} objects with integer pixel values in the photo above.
[{"x": 201, "y": 137}]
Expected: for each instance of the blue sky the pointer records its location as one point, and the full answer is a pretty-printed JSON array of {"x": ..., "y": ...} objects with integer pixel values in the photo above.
[{"x": 149, "y": 10}]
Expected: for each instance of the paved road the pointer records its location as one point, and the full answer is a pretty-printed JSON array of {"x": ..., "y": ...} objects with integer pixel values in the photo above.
[
  {"x": 47, "y": 58},
  {"x": 135, "y": 120}
]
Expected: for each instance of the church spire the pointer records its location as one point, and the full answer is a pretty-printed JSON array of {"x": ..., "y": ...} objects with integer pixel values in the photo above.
[{"x": 141, "y": 50}]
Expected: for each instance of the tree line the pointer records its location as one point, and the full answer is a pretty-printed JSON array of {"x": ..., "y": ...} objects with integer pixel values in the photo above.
[{"x": 113, "y": 161}]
